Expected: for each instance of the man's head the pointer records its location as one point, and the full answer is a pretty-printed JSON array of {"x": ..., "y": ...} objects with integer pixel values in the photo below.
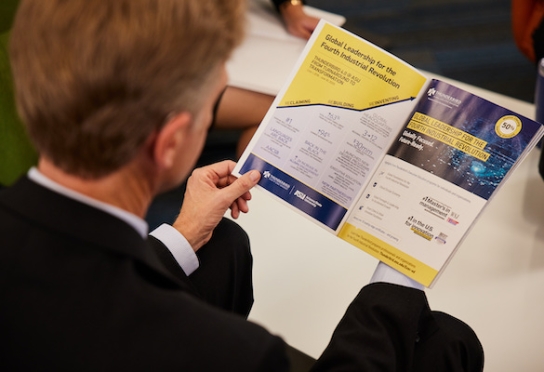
[{"x": 96, "y": 78}]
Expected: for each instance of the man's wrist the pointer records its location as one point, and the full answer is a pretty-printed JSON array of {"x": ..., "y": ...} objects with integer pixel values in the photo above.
[
  {"x": 387, "y": 274},
  {"x": 178, "y": 245}
]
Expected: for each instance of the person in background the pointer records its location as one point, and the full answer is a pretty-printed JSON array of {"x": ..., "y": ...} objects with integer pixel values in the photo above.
[
  {"x": 528, "y": 27},
  {"x": 297, "y": 21},
  {"x": 118, "y": 97},
  {"x": 528, "y": 31},
  {"x": 242, "y": 109}
]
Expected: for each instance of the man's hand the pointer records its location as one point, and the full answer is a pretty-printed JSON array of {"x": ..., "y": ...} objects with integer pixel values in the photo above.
[
  {"x": 297, "y": 22},
  {"x": 212, "y": 190}
]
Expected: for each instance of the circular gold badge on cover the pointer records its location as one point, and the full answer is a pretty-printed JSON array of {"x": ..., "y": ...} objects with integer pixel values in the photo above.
[{"x": 508, "y": 126}]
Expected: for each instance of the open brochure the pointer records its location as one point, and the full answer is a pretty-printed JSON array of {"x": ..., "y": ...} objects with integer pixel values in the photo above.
[{"x": 394, "y": 163}]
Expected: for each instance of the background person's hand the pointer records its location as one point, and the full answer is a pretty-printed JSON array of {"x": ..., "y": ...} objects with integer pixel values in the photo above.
[
  {"x": 297, "y": 22},
  {"x": 211, "y": 190}
]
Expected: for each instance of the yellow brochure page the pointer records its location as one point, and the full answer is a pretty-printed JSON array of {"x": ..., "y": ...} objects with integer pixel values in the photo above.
[
  {"x": 331, "y": 124},
  {"x": 344, "y": 70}
]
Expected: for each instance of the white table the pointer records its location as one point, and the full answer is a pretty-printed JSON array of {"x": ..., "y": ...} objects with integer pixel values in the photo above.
[
  {"x": 304, "y": 277},
  {"x": 267, "y": 56}
]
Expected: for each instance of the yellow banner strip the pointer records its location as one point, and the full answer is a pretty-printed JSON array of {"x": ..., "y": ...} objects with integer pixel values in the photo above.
[{"x": 390, "y": 255}]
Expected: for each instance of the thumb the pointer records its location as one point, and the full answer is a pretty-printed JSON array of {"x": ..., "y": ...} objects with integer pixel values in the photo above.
[
  {"x": 244, "y": 183},
  {"x": 250, "y": 179}
]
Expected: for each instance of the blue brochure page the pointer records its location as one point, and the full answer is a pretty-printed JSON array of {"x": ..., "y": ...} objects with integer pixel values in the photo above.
[{"x": 446, "y": 163}]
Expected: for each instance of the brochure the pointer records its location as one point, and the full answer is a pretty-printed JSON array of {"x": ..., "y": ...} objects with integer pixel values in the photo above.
[{"x": 396, "y": 164}]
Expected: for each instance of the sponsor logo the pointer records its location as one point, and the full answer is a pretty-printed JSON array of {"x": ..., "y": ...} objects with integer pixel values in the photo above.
[
  {"x": 443, "y": 98},
  {"x": 275, "y": 180}
]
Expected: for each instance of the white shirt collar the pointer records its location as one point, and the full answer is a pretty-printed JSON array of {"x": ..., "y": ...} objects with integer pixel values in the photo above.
[{"x": 136, "y": 222}]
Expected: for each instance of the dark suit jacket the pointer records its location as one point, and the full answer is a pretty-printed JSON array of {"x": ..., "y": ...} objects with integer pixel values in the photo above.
[{"x": 81, "y": 290}]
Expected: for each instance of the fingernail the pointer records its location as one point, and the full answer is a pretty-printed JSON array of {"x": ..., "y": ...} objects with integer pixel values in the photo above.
[{"x": 254, "y": 175}]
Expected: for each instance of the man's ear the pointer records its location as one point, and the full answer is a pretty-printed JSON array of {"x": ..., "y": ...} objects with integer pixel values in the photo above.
[{"x": 170, "y": 138}]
